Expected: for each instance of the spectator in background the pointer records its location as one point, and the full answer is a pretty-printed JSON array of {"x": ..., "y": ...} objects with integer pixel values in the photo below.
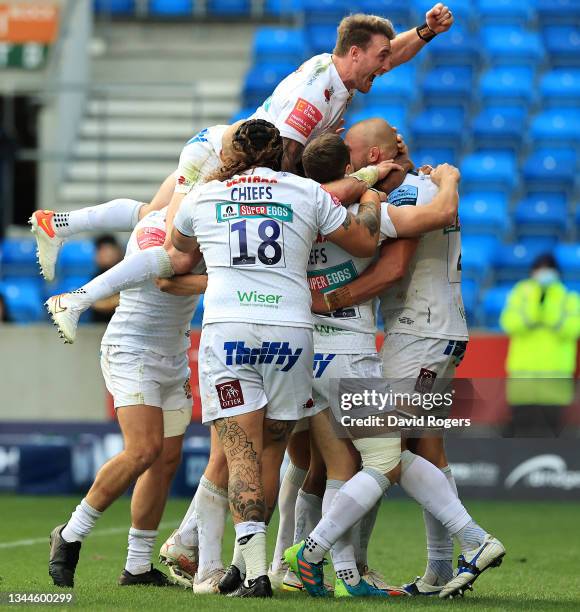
[
  {"x": 108, "y": 254},
  {"x": 542, "y": 319},
  {"x": 4, "y": 316}
]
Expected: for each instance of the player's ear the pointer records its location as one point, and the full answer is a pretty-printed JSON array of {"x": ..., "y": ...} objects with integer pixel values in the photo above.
[
  {"x": 349, "y": 169},
  {"x": 374, "y": 155},
  {"x": 354, "y": 53}
]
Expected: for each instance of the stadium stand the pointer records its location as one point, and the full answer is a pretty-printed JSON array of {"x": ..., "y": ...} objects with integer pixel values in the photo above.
[{"x": 497, "y": 96}]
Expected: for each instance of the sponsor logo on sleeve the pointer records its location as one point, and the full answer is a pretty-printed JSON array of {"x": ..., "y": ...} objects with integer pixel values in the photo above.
[
  {"x": 336, "y": 201},
  {"x": 425, "y": 381},
  {"x": 199, "y": 137},
  {"x": 304, "y": 117},
  {"x": 148, "y": 237},
  {"x": 405, "y": 195},
  {"x": 230, "y": 394}
]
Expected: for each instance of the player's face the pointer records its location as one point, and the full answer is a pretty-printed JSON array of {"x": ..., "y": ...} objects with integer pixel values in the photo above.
[
  {"x": 358, "y": 151},
  {"x": 372, "y": 62}
]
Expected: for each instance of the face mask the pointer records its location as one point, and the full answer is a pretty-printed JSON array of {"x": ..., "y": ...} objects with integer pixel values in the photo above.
[{"x": 546, "y": 276}]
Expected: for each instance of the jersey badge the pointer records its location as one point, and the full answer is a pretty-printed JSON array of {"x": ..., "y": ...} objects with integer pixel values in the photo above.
[
  {"x": 328, "y": 93},
  {"x": 148, "y": 237},
  {"x": 405, "y": 195},
  {"x": 304, "y": 117}
]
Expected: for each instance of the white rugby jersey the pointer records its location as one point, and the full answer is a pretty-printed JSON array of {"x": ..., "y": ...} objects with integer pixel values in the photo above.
[
  {"x": 146, "y": 317},
  {"x": 427, "y": 302},
  {"x": 255, "y": 232},
  {"x": 352, "y": 329},
  {"x": 199, "y": 157},
  {"x": 308, "y": 102}
]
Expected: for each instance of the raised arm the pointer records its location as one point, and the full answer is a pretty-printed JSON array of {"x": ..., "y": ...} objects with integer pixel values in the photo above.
[
  {"x": 390, "y": 267},
  {"x": 410, "y": 221},
  {"x": 407, "y": 44}
]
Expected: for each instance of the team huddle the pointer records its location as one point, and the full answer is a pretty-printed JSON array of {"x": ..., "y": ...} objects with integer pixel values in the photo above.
[{"x": 293, "y": 234}]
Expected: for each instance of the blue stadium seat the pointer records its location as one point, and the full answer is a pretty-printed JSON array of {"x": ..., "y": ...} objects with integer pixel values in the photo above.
[
  {"x": 477, "y": 254},
  {"x": 445, "y": 83},
  {"x": 539, "y": 244},
  {"x": 470, "y": 293},
  {"x": 228, "y": 8},
  {"x": 19, "y": 258},
  {"x": 499, "y": 126},
  {"x": 395, "y": 87},
  {"x": 563, "y": 44},
  {"x": 285, "y": 45},
  {"x": 506, "y": 85},
  {"x": 561, "y": 87},
  {"x": 491, "y": 170},
  {"x": 464, "y": 11},
  {"x": 321, "y": 38},
  {"x": 166, "y": 8},
  {"x": 457, "y": 47},
  {"x": 505, "y": 11},
  {"x": 77, "y": 258},
  {"x": 558, "y": 11},
  {"x": 23, "y": 301},
  {"x": 439, "y": 126},
  {"x": 556, "y": 127},
  {"x": 244, "y": 113},
  {"x": 568, "y": 258},
  {"x": 261, "y": 81},
  {"x": 395, "y": 10},
  {"x": 433, "y": 156},
  {"x": 484, "y": 212},
  {"x": 395, "y": 115},
  {"x": 513, "y": 261},
  {"x": 550, "y": 169},
  {"x": 492, "y": 304},
  {"x": 325, "y": 11},
  {"x": 512, "y": 45},
  {"x": 283, "y": 7},
  {"x": 541, "y": 215},
  {"x": 115, "y": 7}
]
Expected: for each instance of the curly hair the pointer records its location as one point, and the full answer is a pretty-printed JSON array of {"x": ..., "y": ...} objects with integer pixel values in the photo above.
[{"x": 256, "y": 143}]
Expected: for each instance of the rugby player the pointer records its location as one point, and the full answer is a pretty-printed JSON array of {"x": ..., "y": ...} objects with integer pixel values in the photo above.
[
  {"x": 255, "y": 355},
  {"x": 308, "y": 102},
  {"x": 144, "y": 359},
  {"x": 420, "y": 478},
  {"x": 344, "y": 341}
]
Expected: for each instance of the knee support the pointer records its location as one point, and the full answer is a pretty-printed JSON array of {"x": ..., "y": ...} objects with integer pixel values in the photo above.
[{"x": 380, "y": 454}]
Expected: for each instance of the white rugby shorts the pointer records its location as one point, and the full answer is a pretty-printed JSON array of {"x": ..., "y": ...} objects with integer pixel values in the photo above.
[
  {"x": 142, "y": 377},
  {"x": 421, "y": 364},
  {"x": 244, "y": 367}
]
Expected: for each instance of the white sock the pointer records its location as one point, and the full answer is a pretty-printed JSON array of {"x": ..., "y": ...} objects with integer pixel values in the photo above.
[
  {"x": 349, "y": 505},
  {"x": 289, "y": 490},
  {"x": 427, "y": 485},
  {"x": 132, "y": 271},
  {"x": 308, "y": 513},
  {"x": 251, "y": 537},
  {"x": 119, "y": 215},
  {"x": 211, "y": 511},
  {"x": 238, "y": 558},
  {"x": 81, "y": 522},
  {"x": 188, "y": 526},
  {"x": 439, "y": 569},
  {"x": 140, "y": 550},
  {"x": 362, "y": 534}
]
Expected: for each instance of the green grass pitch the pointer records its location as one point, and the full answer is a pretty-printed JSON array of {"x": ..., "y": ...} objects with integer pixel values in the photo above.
[{"x": 540, "y": 571}]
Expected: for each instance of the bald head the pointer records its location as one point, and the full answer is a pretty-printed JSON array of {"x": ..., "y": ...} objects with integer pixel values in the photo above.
[{"x": 371, "y": 141}]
